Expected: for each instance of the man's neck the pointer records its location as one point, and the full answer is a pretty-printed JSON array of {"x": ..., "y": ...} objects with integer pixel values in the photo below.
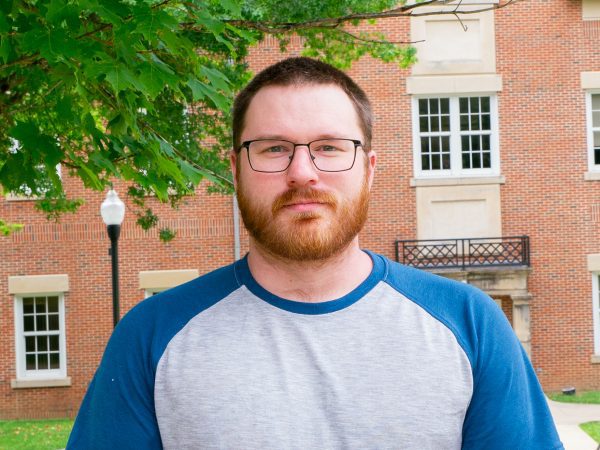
[{"x": 310, "y": 281}]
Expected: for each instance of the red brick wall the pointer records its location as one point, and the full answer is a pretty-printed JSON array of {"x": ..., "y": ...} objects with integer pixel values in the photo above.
[{"x": 541, "y": 49}]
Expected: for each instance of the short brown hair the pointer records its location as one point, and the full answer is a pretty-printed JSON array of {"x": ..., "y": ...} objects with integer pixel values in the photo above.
[{"x": 297, "y": 71}]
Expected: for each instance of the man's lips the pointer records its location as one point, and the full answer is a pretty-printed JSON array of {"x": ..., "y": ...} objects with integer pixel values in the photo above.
[
  {"x": 303, "y": 201},
  {"x": 308, "y": 205}
]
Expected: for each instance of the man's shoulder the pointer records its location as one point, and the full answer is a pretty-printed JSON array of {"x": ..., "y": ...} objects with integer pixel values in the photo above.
[
  {"x": 163, "y": 315},
  {"x": 468, "y": 312}
]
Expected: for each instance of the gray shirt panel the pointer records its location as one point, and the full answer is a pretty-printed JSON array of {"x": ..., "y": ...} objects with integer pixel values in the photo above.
[{"x": 381, "y": 373}]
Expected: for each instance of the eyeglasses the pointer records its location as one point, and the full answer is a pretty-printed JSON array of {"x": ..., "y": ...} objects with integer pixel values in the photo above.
[{"x": 276, "y": 155}]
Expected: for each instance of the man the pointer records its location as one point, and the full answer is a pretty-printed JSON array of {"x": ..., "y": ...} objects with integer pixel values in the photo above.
[{"x": 309, "y": 342}]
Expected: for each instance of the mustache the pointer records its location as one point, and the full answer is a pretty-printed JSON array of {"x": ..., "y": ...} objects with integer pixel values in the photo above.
[{"x": 303, "y": 195}]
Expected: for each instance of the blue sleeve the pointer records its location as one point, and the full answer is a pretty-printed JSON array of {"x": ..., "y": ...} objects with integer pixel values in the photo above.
[
  {"x": 118, "y": 409},
  {"x": 508, "y": 408}
]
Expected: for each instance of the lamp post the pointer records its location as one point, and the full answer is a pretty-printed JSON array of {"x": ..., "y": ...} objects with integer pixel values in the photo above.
[{"x": 113, "y": 211}]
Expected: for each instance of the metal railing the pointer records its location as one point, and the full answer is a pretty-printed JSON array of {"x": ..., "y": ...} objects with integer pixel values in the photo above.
[{"x": 464, "y": 253}]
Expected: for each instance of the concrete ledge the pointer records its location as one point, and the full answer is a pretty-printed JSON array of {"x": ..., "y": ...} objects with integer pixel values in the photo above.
[
  {"x": 591, "y": 176},
  {"x": 595, "y": 359},
  {"x": 453, "y": 84},
  {"x": 162, "y": 279},
  {"x": 593, "y": 262},
  {"x": 458, "y": 181},
  {"x": 37, "y": 284},
  {"x": 28, "y": 384},
  {"x": 590, "y": 80}
]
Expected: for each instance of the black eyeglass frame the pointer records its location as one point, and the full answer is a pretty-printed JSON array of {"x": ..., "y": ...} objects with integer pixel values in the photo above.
[{"x": 246, "y": 145}]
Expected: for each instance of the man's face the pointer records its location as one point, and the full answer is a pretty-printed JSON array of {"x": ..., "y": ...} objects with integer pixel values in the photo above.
[{"x": 303, "y": 214}]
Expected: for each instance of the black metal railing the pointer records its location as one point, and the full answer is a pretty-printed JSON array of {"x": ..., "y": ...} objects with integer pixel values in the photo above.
[{"x": 464, "y": 253}]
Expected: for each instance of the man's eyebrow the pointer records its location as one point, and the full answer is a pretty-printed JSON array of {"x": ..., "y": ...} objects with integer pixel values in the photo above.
[{"x": 279, "y": 137}]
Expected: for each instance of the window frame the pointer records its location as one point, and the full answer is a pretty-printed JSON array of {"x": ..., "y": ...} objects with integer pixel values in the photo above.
[
  {"x": 456, "y": 170},
  {"x": 596, "y": 310},
  {"x": 22, "y": 373},
  {"x": 592, "y": 167}
]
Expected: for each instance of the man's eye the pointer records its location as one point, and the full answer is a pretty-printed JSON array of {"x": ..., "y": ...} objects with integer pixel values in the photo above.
[
  {"x": 326, "y": 149},
  {"x": 275, "y": 149}
]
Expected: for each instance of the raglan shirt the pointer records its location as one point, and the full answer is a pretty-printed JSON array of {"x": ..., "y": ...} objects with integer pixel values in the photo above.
[{"x": 407, "y": 360}]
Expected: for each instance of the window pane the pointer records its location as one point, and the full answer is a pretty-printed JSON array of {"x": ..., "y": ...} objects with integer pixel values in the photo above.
[
  {"x": 476, "y": 158},
  {"x": 596, "y": 101},
  {"x": 465, "y": 142},
  {"x": 28, "y": 323},
  {"x": 485, "y": 104},
  {"x": 435, "y": 145},
  {"x": 53, "y": 321},
  {"x": 464, "y": 122},
  {"x": 487, "y": 160},
  {"x": 54, "y": 343},
  {"x": 446, "y": 144},
  {"x": 30, "y": 362},
  {"x": 53, "y": 304},
  {"x": 486, "y": 142},
  {"x": 446, "y": 161},
  {"x": 474, "y": 105},
  {"x": 466, "y": 161},
  {"x": 475, "y": 122},
  {"x": 463, "y": 104},
  {"x": 40, "y": 322},
  {"x": 445, "y": 106},
  {"x": 424, "y": 124},
  {"x": 30, "y": 344},
  {"x": 596, "y": 119},
  {"x": 424, "y": 145},
  {"x": 475, "y": 143},
  {"x": 54, "y": 361},
  {"x": 435, "y": 123},
  {"x": 434, "y": 106},
  {"x": 423, "y": 106},
  {"x": 28, "y": 306},
  {"x": 435, "y": 162},
  {"x": 43, "y": 361},
  {"x": 445, "y": 123},
  {"x": 40, "y": 304},
  {"x": 597, "y": 156},
  {"x": 42, "y": 343},
  {"x": 425, "y": 162},
  {"x": 486, "y": 122},
  {"x": 596, "y": 138}
]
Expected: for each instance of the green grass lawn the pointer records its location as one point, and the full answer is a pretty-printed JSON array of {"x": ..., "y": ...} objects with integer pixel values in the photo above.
[
  {"x": 34, "y": 434},
  {"x": 593, "y": 429},
  {"x": 579, "y": 397}
]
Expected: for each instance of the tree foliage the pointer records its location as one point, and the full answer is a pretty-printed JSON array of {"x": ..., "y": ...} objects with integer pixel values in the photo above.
[{"x": 140, "y": 90}]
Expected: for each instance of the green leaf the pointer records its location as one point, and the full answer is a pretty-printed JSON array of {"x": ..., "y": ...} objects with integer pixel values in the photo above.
[
  {"x": 201, "y": 91},
  {"x": 217, "y": 78},
  {"x": 232, "y": 6}
]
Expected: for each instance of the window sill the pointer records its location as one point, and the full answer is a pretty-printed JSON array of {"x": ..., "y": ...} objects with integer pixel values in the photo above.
[
  {"x": 458, "y": 181},
  {"x": 42, "y": 383},
  {"x": 591, "y": 176},
  {"x": 595, "y": 359}
]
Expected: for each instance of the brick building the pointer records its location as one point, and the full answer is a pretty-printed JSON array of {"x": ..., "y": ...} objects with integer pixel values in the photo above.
[{"x": 488, "y": 172}]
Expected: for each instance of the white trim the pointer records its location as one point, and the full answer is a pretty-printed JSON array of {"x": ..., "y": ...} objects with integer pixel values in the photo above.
[
  {"x": 455, "y": 144},
  {"x": 596, "y": 310},
  {"x": 453, "y": 84},
  {"x": 420, "y": 182},
  {"x": 51, "y": 374},
  {"x": 592, "y": 168}
]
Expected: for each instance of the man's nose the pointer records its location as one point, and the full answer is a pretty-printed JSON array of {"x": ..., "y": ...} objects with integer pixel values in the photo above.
[{"x": 302, "y": 170}]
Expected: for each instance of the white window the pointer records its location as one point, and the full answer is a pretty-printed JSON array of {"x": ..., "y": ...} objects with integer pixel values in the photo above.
[
  {"x": 593, "y": 122},
  {"x": 40, "y": 336},
  {"x": 455, "y": 136},
  {"x": 596, "y": 310}
]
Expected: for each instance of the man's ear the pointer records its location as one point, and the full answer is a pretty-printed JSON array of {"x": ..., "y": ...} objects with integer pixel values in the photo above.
[
  {"x": 372, "y": 162},
  {"x": 233, "y": 155}
]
